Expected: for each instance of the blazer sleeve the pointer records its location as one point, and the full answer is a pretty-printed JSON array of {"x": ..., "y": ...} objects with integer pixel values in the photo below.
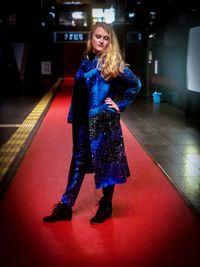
[
  {"x": 78, "y": 74},
  {"x": 132, "y": 85}
]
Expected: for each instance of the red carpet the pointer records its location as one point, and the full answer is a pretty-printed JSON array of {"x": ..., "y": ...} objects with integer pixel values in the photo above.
[{"x": 151, "y": 225}]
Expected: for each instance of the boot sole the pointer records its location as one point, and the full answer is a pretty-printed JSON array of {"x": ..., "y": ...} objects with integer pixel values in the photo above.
[
  {"x": 94, "y": 223},
  {"x": 56, "y": 220}
]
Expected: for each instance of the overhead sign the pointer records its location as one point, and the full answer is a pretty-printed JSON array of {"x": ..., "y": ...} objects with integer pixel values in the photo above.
[{"x": 62, "y": 37}]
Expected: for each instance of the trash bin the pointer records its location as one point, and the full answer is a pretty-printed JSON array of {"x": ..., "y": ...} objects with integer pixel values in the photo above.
[{"x": 156, "y": 97}]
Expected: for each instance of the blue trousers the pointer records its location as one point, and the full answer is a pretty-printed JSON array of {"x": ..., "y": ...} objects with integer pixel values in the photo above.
[
  {"x": 80, "y": 158},
  {"x": 78, "y": 162}
]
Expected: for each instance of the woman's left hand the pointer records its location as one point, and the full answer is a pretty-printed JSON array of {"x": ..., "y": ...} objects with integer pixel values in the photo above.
[{"x": 111, "y": 104}]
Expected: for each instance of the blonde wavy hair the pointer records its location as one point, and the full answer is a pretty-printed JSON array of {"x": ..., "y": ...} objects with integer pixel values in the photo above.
[{"x": 110, "y": 61}]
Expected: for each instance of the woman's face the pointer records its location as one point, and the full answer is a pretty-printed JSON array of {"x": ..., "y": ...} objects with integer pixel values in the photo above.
[{"x": 100, "y": 40}]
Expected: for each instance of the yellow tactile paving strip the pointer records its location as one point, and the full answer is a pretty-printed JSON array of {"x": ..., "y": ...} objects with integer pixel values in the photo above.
[{"x": 12, "y": 147}]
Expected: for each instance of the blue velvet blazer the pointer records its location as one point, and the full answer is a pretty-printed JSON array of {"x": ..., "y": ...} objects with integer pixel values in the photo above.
[{"x": 108, "y": 158}]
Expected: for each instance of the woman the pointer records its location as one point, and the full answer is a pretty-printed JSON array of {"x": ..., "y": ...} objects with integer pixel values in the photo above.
[{"x": 98, "y": 145}]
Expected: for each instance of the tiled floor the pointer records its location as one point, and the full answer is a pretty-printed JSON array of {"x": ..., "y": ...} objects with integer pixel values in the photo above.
[
  {"x": 171, "y": 140},
  {"x": 20, "y": 117}
]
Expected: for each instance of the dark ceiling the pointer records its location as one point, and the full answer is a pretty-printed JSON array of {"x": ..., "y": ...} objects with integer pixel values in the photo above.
[
  {"x": 142, "y": 8},
  {"x": 8, "y": 7}
]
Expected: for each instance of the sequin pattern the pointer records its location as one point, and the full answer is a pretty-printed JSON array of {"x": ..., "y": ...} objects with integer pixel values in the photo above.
[{"x": 108, "y": 154}]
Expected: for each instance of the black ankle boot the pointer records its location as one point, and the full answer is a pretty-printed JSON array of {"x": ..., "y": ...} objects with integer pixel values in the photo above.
[
  {"x": 104, "y": 211},
  {"x": 60, "y": 212}
]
